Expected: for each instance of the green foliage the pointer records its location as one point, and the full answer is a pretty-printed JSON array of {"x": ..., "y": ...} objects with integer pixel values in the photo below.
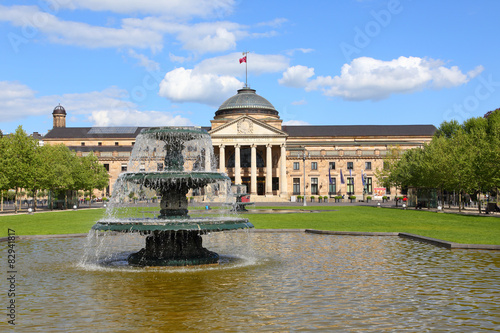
[{"x": 462, "y": 158}]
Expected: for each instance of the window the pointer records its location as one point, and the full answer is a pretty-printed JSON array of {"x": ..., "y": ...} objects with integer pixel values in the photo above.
[
  {"x": 350, "y": 185},
  {"x": 368, "y": 185},
  {"x": 350, "y": 165},
  {"x": 314, "y": 165},
  {"x": 124, "y": 167},
  {"x": 332, "y": 189},
  {"x": 276, "y": 183},
  {"x": 331, "y": 165},
  {"x": 296, "y": 166},
  {"x": 82, "y": 144},
  {"x": 133, "y": 143},
  {"x": 387, "y": 190},
  {"x": 116, "y": 144},
  {"x": 314, "y": 185},
  {"x": 159, "y": 166},
  {"x": 99, "y": 144},
  {"x": 296, "y": 186},
  {"x": 368, "y": 165},
  {"x": 106, "y": 166}
]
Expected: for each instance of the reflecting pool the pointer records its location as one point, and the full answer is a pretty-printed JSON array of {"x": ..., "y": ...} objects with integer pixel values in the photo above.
[{"x": 266, "y": 282}]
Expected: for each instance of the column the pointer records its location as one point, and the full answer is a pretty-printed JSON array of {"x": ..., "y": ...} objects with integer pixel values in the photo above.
[
  {"x": 208, "y": 159},
  {"x": 253, "y": 171},
  {"x": 269, "y": 171},
  {"x": 222, "y": 158},
  {"x": 237, "y": 163},
  {"x": 283, "y": 180}
]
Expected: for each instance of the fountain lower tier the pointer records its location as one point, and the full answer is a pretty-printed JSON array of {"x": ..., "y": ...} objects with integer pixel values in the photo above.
[
  {"x": 173, "y": 248},
  {"x": 173, "y": 242}
]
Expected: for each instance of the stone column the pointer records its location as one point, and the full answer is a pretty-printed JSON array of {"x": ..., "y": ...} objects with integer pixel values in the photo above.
[
  {"x": 269, "y": 170},
  {"x": 222, "y": 158},
  {"x": 253, "y": 171},
  {"x": 237, "y": 163},
  {"x": 208, "y": 159},
  {"x": 283, "y": 180}
]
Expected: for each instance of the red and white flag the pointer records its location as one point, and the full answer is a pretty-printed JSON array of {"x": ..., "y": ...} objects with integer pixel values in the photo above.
[{"x": 244, "y": 59}]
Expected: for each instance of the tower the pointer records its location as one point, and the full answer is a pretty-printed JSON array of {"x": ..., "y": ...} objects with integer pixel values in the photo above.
[{"x": 59, "y": 116}]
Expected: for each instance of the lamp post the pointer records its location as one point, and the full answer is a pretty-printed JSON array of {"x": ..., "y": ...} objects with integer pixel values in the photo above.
[{"x": 304, "y": 160}]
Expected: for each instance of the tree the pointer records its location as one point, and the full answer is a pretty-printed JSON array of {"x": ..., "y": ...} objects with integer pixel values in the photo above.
[
  {"x": 17, "y": 160},
  {"x": 59, "y": 164},
  {"x": 89, "y": 174}
]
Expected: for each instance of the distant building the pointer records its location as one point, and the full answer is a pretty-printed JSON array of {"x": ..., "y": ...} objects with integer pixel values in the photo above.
[{"x": 253, "y": 147}]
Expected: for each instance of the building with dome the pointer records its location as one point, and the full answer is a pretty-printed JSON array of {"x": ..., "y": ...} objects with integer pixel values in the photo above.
[{"x": 276, "y": 162}]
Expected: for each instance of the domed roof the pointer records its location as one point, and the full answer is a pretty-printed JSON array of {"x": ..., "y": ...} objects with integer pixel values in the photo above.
[
  {"x": 246, "y": 101},
  {"x": 59, "y": 110}
]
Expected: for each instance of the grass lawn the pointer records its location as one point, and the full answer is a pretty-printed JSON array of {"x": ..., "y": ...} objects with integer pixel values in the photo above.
[{"x": 450, "y": 227}]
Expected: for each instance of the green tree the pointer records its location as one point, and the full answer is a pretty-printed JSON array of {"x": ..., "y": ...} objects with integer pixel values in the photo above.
[
  {"x": 17, "y": 161},
  {"x": 89, "y": 174}
]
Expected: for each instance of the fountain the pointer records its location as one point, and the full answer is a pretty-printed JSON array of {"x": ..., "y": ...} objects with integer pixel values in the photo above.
[{"x": 173, "y": 237}]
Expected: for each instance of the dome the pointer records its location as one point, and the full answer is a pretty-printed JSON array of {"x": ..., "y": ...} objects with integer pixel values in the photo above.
[
  {"x": 246, "y": 101},
  {"x": 59, "y": 110}
]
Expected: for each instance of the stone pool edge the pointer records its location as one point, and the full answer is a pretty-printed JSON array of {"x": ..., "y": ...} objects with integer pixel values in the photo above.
[{"x": 433, "y": 241}]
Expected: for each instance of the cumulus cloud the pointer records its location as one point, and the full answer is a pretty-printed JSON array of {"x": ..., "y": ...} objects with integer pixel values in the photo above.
[
  {"x": 136, "y": 118},
  {"x": 109, "y": 107},
  {"x": 296, "y": 76},
  {"x": 372, "y": 79},
  {"x": 215, "y": 79},
  {"x": 186, "y": 85}
]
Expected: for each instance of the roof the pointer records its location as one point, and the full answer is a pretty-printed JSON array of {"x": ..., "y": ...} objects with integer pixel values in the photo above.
[
  {"x": 292, "y": 131},
  {"x": 93, "y": 132},
  {"x": 359, "y": 130},
  {"x": 246, "y": 101},
  {"x": 59, "y": 110}
]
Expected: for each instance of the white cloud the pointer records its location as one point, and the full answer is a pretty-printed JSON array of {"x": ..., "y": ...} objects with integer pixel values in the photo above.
[
  {"x": 173, "y": 8},
  {"x": 144, "y": 61},
  {"x": 371, "y": 79},
  {"x": 136, "y": 118},
  {"x": 295, "y": 123},
  {"x": 185, "y": 85},
  {"x": 296, "y": 76},
  {"x": 303, "y": 50},
  {"x": 215, "y": 79},
  {"x": 77, "y": 33},
  {"x": 301, "y": 102},
  {"x": 109, "y": 107},
  {"x": 229, "y": 64}
]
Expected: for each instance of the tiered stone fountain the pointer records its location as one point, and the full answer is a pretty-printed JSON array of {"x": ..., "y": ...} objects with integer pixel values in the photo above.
[{"x": 174, "y": 238}]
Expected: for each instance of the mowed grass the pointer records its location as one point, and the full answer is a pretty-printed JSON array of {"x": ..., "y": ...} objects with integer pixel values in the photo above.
[{"x": 451, "y": 227}]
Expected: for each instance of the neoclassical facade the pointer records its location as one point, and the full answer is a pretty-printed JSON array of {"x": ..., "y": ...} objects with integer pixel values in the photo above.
[{"x": 275, "y": 162}]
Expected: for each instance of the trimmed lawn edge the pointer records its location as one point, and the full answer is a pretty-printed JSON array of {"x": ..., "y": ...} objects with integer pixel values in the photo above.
[{"x": 433, "y": 241}]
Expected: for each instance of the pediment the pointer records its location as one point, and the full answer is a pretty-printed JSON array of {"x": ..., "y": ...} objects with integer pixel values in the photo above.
[{"x": 248, "y": 127}]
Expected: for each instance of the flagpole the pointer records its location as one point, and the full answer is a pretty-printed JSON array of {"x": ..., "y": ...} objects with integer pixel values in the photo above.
[{"x": 245, "y": 54}]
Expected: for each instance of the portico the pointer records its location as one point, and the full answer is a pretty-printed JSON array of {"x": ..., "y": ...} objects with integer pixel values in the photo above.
[{"x": 253, "y": 153}]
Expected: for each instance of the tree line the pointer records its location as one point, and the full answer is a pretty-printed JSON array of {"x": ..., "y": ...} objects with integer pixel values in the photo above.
[
  {"x": 461, "y": 158},
  {"x": 25, "y": 164}
]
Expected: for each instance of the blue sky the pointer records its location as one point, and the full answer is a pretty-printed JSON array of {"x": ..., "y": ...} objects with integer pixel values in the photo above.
[{"x": 173, "y": 62}]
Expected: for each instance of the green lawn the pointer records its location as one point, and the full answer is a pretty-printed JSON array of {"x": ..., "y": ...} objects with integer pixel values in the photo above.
[{"x": 450, "y": 227}]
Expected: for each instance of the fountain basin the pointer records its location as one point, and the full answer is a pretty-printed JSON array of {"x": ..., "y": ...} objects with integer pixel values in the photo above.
[
  {"x": 166, "y": 180},
  {"x": 148, "y": 225}
]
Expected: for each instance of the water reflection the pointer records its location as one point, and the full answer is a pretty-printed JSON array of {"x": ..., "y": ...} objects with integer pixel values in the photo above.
[{"x": 282, "y": 282}]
